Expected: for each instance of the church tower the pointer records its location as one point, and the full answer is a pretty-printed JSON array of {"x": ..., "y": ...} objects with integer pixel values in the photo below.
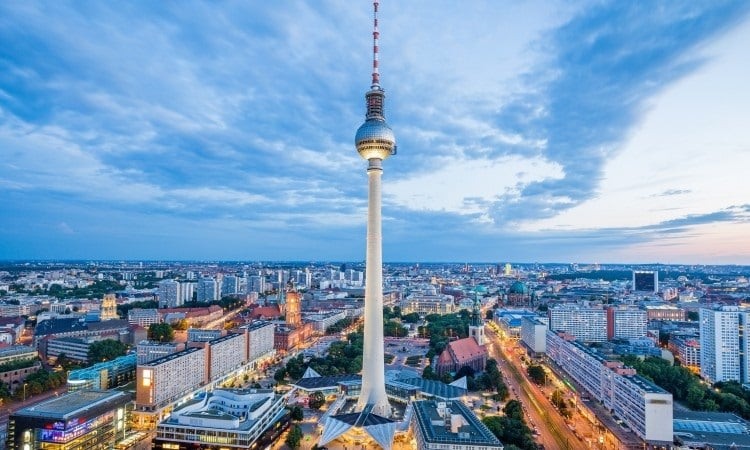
[{"x": 476, "y": 329}]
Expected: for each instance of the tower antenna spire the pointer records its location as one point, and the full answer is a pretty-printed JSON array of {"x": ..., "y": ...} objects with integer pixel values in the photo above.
[{"x": 375, "y": 36}]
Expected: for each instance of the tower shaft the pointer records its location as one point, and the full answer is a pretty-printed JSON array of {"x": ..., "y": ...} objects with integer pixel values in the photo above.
[{"x": 373, "y": 367}]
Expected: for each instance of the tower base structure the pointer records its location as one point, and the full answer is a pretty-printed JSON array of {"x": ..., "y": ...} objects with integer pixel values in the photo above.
[{"x": 360, "y": 428}]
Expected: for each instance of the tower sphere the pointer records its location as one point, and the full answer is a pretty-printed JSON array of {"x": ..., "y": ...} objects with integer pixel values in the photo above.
[{"x": 375, "y": 139}]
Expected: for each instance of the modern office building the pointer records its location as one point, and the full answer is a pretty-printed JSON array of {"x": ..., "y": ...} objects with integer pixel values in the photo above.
[
  {"x": 223, "y": 418},
  {"x": 587, "y": 324},
  {"x": 723, "y": 344},
  {"x": 104, "y": 375},
  {"x": 646, "y": 281},
  {"x": 439, "y": 425},
  {"x": 91, "y": 420},
  {"x": 626, "y": 323}
]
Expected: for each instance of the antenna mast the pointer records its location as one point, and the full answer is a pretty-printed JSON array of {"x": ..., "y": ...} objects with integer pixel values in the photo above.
[{"x": 375, "y": 35}]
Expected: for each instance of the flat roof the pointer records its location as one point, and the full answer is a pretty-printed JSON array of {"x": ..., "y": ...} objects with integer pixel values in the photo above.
[
  {"x": 709, "y": 422},
  {"x": 164, "y": 359},
  {"x": 472, "y": 432},
  {"x": 435, "y": 388},
  {"x": 325, "y": 382},
  {"x": 646, "y": 385},
  {"x": 75, "y": 404}
]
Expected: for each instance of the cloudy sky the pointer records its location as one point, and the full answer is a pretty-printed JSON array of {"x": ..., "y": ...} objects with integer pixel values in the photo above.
[{"x": 527, "y": 130}]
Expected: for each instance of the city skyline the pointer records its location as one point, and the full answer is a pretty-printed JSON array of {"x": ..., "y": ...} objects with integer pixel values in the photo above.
[{"x": 527, "y": 132}]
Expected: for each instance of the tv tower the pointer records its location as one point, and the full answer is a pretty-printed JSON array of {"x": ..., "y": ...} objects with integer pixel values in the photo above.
[{"x": 375, "y": 142}]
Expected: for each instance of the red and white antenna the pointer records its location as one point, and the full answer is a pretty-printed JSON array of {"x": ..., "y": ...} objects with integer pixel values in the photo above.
[{"x": 375, "y": 35}]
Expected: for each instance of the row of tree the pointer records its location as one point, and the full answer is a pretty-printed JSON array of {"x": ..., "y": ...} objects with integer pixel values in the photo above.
[{"x": 511, "y": 428}]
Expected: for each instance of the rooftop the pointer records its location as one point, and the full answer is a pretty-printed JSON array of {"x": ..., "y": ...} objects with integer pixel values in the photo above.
[
  {"x": 76, "y": 404},
  {"x": 168, "y": 358},
  {"x": 472, "y": 432}
]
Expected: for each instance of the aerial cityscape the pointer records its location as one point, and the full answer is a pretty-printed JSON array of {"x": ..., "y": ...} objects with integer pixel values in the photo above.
[{"x": 554, "y": 252}]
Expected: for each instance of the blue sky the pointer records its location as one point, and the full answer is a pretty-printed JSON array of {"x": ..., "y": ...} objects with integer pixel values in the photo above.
[{"x": 527, "y": 131}]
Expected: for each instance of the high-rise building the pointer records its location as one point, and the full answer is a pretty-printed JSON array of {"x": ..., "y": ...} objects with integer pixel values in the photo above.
[
  {"x": 230, "y": 285},
  {"x": 206, "y": 291},
  {"x": 187, "y": 289},
  {"x": 257, "y": 283},
  {"x": 169, "y": 293},
  {"x": 587, "y": 324},
  {"x": 626, "y": 323},
  {"x": 722, "y": 341},
  {"x": 645, "y": 281}
]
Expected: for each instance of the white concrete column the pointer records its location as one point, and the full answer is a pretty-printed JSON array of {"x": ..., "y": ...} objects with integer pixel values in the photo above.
[{"x": 373, "y": 367}]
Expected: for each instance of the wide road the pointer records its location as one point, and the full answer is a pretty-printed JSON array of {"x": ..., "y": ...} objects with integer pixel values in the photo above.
[{"x": 553, "y": 431}]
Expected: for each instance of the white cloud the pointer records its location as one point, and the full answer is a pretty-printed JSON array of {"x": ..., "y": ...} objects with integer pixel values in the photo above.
[
  {"x": 694, "y": 140},
  {"x": 468, "y": 186}
]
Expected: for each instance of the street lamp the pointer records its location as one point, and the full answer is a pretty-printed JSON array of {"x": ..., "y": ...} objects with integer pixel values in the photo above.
[{"x": 24, "y": 391}]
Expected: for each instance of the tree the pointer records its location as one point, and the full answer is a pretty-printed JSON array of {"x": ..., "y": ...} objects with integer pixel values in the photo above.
[
  {"x": 410, "y": 318},
  {"x": 296, "y": 413},
  {"x": 4, "y": 390},
  {"x": 106, "y": 350},
  {"x": 513, "y": 409},
  {"x": 429, "y": 374},
  {"x": 316, "y": 400},
  {"x": 294, "y": 438},
  {"x": 464, "y": 371},
  {"x": 536, "y": 373},
  {"x": 495, "y": 424},
  {"x": 394, "y": 329},
  {"x": 280, "y": 375},
  {"x": 161, "y": 332},
  {"x": 181, "y": 325}
]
